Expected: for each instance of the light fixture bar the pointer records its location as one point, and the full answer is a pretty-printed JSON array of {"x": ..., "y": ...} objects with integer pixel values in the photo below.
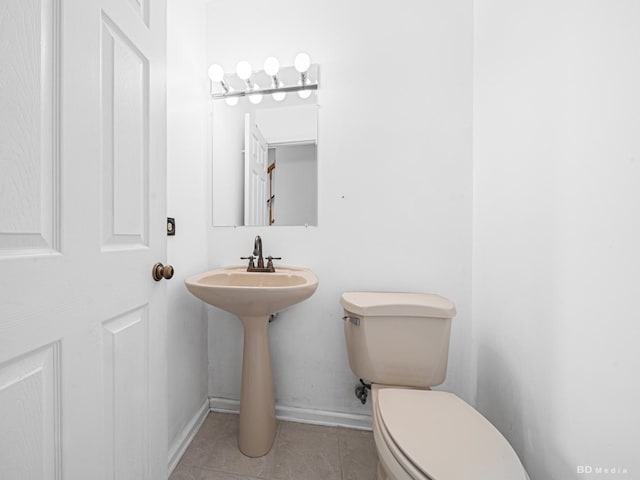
[{"x": 264, "y": 91}]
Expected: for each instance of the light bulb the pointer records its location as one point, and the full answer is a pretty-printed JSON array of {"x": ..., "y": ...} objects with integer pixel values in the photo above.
[
  {"x": 243, "y": 69},
  {"x": 271, "y": 66},
  {"x": 216, "y": 73},
  {"x": 302, "y": 62},
  {"x": 255, "y": 98},
  {"x": 279, "y": 96},
  {"x": 231, "y": 101}
]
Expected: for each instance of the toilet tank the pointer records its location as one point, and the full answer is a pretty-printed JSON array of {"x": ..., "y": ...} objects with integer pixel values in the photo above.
[{"x": 398, "y": 338}]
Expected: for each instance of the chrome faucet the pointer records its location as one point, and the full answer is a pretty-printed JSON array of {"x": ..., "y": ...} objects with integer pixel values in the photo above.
[{"x": 257, "y": 254}]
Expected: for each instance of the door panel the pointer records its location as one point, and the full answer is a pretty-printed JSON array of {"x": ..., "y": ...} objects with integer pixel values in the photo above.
[
  {"x": 125, "y": 153},
  {"x": 30, "y": 396},
  {"x": 126, "y": 377},
  {"x": 29, "y": 137}
]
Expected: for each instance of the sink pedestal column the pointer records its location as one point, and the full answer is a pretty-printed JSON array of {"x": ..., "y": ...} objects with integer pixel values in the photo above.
[{"x": 257, "y": 404}]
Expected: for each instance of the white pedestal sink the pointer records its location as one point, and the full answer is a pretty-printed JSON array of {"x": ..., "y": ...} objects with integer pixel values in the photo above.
[{"x": 253, "y": 296}]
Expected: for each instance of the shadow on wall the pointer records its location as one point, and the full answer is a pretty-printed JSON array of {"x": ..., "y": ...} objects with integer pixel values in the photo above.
[{"x": 506, "y": 399}]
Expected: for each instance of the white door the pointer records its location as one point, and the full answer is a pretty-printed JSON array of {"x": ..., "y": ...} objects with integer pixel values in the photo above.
[
  {"x": 256, "y": 186},
  {"x": 82, "y": 203}
]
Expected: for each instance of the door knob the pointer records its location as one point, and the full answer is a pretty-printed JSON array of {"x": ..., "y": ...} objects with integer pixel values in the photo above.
[{"x": 161, "y": 271}]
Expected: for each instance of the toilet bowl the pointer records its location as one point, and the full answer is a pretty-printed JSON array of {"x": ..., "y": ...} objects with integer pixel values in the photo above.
[{"x": 400, "y": 343}]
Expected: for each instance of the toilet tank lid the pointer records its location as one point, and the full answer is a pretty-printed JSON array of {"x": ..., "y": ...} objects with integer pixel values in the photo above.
[{"x": 377, "y": 304}]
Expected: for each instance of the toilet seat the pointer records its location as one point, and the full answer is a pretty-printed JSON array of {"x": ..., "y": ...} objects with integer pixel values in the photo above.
[
  {"x": 396, "y": 466},
  {"x": 438, "y": 436}
]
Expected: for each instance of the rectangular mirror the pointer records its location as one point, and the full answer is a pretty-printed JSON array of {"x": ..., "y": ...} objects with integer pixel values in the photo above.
[{"x": 264, "y": 162}]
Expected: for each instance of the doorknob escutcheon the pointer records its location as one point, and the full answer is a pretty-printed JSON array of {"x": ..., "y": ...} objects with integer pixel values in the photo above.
[{"x": 160, "y": 271}]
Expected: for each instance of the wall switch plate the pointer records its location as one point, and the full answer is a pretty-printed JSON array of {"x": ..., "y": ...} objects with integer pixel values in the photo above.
[{"x": 171, "y": 226}]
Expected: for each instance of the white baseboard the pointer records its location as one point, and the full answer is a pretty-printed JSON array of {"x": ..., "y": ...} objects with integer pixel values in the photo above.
[
  {"x": 300, "y": 415},
  {"x": 177, "y": 449}
]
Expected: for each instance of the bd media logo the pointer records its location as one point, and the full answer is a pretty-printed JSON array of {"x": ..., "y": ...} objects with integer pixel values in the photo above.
[{"x": 589, "y": 470}]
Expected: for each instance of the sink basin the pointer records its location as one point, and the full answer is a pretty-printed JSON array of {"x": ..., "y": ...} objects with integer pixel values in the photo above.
[
  {"x": 253, "y": 297},
  {"x": 253, "y": 293}
]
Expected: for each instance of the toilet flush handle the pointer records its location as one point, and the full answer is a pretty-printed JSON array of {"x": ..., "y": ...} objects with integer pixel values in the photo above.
[{"x": 354, "y": 320}]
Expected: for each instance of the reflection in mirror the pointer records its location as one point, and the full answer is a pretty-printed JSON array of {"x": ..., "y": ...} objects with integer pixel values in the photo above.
[{"x": 265, "y": 162}]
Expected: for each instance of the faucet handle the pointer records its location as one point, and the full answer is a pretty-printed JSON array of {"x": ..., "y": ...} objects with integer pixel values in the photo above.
[
  {"x": 270, "y": 262},
  {"x": 250, "y": 258}
]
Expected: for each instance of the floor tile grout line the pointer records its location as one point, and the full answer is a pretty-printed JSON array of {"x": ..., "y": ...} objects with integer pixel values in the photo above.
[
  {"x": 339, "y": 438},
  {"x": 235, "y": 474}
]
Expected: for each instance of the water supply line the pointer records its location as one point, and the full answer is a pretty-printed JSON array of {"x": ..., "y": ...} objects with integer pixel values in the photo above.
[{"x": 362, "y": 391}]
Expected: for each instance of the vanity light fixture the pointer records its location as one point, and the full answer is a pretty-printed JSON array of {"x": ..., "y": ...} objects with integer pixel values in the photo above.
[{"x": 282, "y": 80}]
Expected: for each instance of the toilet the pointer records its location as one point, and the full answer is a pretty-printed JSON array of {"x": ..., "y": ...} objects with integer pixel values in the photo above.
[{"x": 400, "y": 343}]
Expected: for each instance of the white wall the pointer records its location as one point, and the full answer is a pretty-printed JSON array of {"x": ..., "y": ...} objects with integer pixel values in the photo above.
[
  {"x": 187, "y": 127},
  {"x": 395, "y": 179},
  {"x": 557, "y": 230}
]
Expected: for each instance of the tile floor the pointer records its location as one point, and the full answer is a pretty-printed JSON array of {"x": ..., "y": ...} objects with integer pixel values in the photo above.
[{"x": 300, "y": 452}]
